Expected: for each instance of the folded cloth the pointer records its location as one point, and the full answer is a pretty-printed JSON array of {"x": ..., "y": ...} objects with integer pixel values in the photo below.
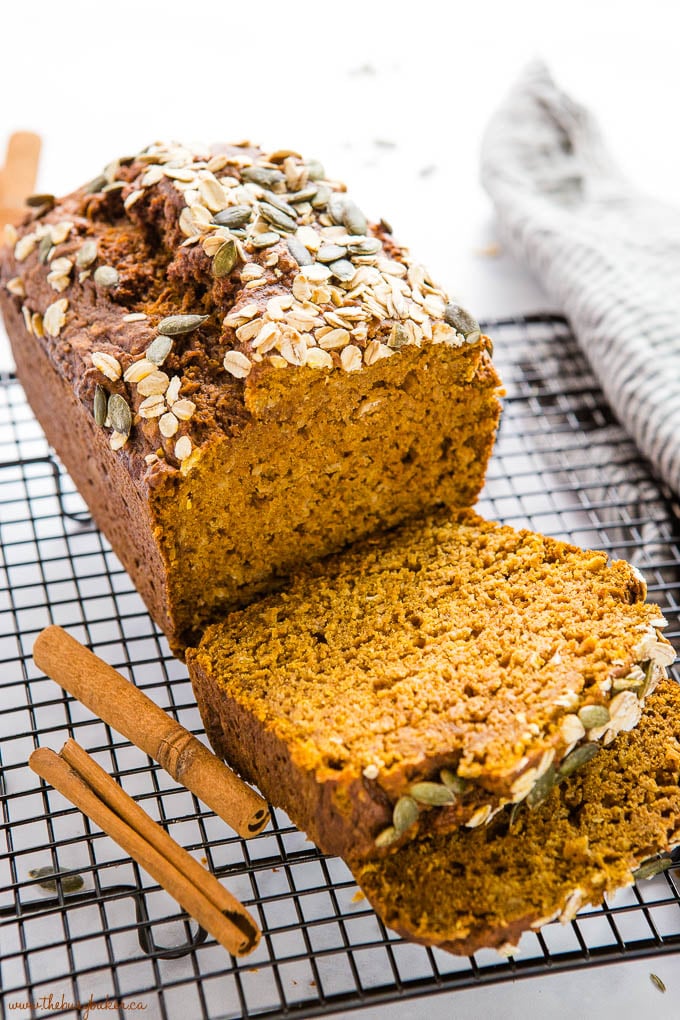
[{"x": 608, "y": 254}]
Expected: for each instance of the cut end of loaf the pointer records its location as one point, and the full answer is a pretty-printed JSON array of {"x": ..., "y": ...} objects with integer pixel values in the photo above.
[{"x": 216, "y": 381}]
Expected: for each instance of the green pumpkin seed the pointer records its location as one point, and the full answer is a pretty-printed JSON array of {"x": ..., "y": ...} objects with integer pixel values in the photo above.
[
  {"x": 398, "y": 336},
  {"x": 354, "y": 220},
  {"x": 225, "y": 260},
  {"x": 657, "y": 982},
  {"x": 330, "y": 252},
  {"x": 315, "y": 170},
  {"x": 87, "y": 254},
  {"x": 279, "y": 203},
  {"x": 649, "y": 673},
  {"x": 455, "y": 783},
  {"x": 336, "y": 208},
  {"x": 41, "y": 201},
  {"x": 542, "y": 787},
  {"x": 654, "y": 866},
  {"x": 593, "y": 715},
  {"x": 405, "y": 814},
  {"x": 236, "y": 216},
  {"x": 51, "y": 879},
  {"x": 462, "y": 322},
  {"x": 263, "y": 176},
  {"x": 119, "y": 414},
  {"x": 174, "y": 325},
  {"x": 580, "y": 756},
  {"x": 158, "y": 350},
  {"x": 434, "y": 794},
  {"x": 44, "y": 248},
  {"x": 366, "y": 246},
  {"x": 299, "y": 252},
  {"x": 304, "y": 195},
  {"x": 386, "y": 837},
  {"x": 343, "y": 270},
  {"x": 322, "y": 197},
  {"x": 264, "y": 240},
  {"x": 106, "y": 276},
  {"x": 277, "y": 218},
  {"x": 100, "y": 403}
]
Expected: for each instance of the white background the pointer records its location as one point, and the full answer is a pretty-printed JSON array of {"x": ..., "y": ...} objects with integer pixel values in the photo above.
[{"x": 393, "y": 98}]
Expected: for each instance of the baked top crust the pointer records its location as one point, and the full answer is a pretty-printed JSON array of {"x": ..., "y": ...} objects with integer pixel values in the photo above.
[{"x": 181, "y": 290}]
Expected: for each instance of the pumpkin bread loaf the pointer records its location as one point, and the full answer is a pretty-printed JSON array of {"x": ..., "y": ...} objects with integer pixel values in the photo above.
[
  {"x": 239, "y": 371},
  {"x": 426, "y": 677},
  {"x": 465, "y": 891}
]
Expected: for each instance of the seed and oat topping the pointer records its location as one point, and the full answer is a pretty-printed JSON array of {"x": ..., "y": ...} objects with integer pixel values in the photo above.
[
  {"x": 582, "y": 736},
  {"x": 351, "y": 296}
]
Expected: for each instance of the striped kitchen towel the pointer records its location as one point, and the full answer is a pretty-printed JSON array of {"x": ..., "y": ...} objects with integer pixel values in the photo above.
[{"x": 606, "y": 253}]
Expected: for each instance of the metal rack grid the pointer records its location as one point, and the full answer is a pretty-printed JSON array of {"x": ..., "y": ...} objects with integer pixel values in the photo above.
[{"x": 562, "y": 466}]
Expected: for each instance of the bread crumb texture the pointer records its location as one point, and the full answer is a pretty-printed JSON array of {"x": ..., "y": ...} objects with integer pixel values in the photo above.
[
  {"x": 428, "y": 677},
  {"x": 466, "y": 891}
]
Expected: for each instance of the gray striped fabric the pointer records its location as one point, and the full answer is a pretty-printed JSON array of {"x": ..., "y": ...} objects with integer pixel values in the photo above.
[{"x": 607, "y": 254}]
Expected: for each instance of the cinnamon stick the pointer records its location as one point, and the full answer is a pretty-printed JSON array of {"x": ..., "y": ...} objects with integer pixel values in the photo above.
[
  {"x": 124, "y": 707},
  {"x": 84, "y": 783},
  {"x": 17, "y": 177}
]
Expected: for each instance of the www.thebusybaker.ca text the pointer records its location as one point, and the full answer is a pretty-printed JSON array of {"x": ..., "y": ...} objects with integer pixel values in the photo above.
[{"x": 54, "y": 1002}]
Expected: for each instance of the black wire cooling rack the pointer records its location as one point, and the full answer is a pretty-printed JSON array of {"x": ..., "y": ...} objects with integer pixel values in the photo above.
[{"x": 562, "y": 466}]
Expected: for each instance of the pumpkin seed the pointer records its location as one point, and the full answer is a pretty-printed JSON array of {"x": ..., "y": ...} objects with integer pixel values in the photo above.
[
  {"x": 44, "y": 248},
  {"x": 299, "y": 252},
  {"x": 657, "y": 982},
  {"x": 398, "y": 336},
  {"x": 649, "y": 674},
  {"x": 100, "y": 401},
  {"x": 542, "y": 787},
  {"x": 405, "y": 814},
  {"x": 331, "y": 252},
  {"x": 235, "y": 216},
  {"x": 322, "y": 197},
  {"x": 174, "y": 325},
  {"x": 158, "y": 349},
  {"x": 336, "y": 208},
  {"x": 365, "y": 246},
  {"x": 579, "y": 756},
  {"x": 654, "y": 866},
  {"x": 264, "y": 240},
  {"x": 593, "y": 715},
  {"x": 87, "y": 254},
  {"x": 279, "y": 203},
  {"x": 119, "y": 414},
  {"x": 106, "y": 276},
  {"x": 386, "y": 837},
  {"x": 51, "y": 879},
  {"x": 455, "y": 783},
  {"x": 354, "y": 219},
  {"x": 434, "y": 794},
  {"x": 263, "y": 176},
  {"x": 315, "y": 170},
  {"x": 462, "y": 322},
  {"x": 277, "y": 218},
  {"x": 40, "y": 201},
  {"x": 225, "y": 260},
  {"x": 303, "y": 195},
  {"x": 343, "y": 270}
]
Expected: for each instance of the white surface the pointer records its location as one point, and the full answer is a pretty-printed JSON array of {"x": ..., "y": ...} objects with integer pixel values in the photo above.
[{"x": 393, "y": 98}]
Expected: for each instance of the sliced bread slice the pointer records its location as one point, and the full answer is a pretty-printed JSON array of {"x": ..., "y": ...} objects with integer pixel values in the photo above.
[{"x": 426, "y": 677}]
